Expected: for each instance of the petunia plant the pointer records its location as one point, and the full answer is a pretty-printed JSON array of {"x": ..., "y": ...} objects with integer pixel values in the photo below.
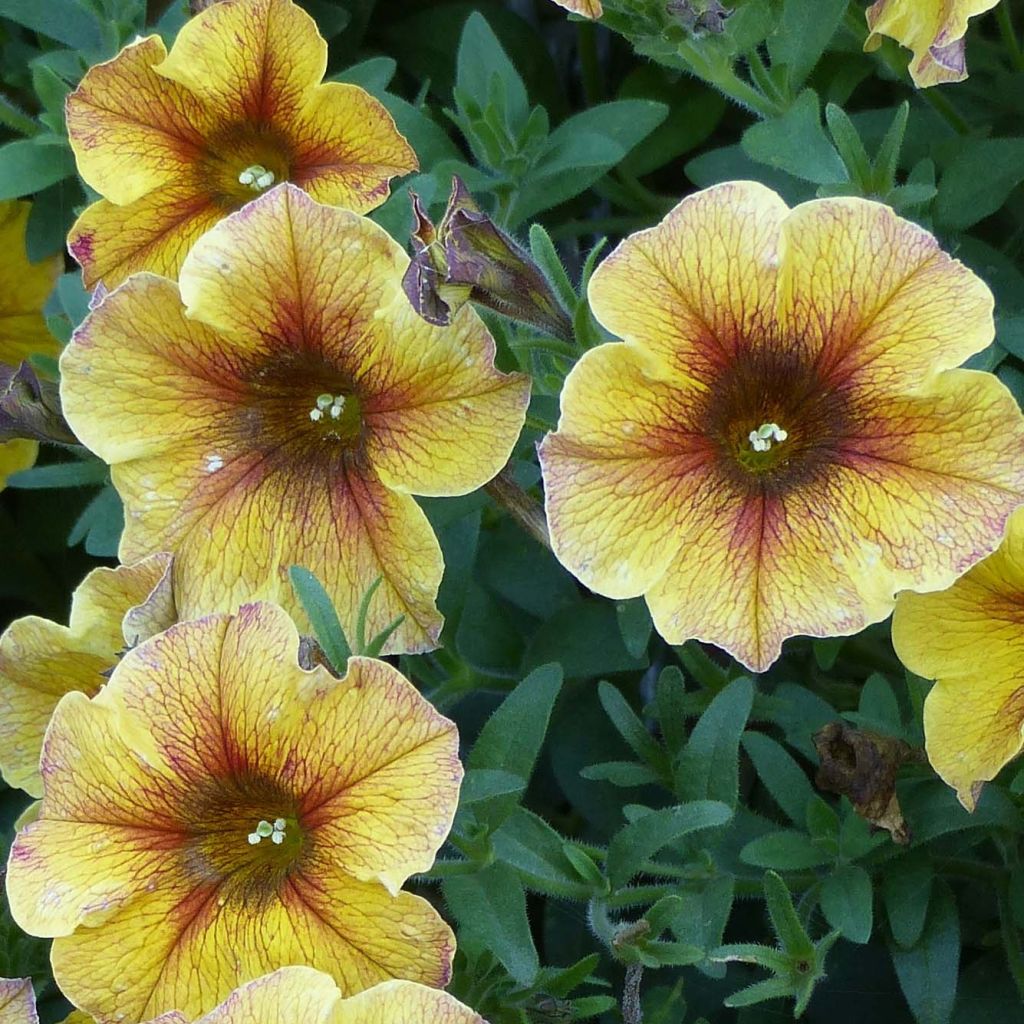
[{"x": 511, "y": 511}]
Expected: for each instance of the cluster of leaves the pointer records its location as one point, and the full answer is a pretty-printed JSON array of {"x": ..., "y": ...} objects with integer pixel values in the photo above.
[{"x": 640, "y": 826}]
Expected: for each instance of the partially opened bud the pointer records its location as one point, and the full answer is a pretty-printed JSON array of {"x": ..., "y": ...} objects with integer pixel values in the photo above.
[
  {"x": 700, "y": 15},
  {"x": 469, "y": 257},
  {"x": 30, "y": 407}
]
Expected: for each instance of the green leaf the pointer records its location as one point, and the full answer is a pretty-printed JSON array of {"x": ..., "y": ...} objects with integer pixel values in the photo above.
[
  {"x": 635, "y": 624},
  {"x": 846, "y": 902},
  {"x": 64, "y": 20},
  {"x": 322, "y": 615},
  {"x": 709, "y": 766},
  {"x": 481, "y": 60},
  {"x": 630, "y": 728},
  {"x": 978, "y": 181},
  {"x": 537, "y": 852},
  {"x": 785, "y": 850},
  {"x": 373, "y": 75},
  {"x": 100, "y": 525},
  {"x": 30, "y": 165},
  {"x": 670, "y": 703},
  {"x": 879, "y": 709},
  {"x": 482, "y": 784},
  {"x": 542, "y": 249},
  {"x": 781, "y": 775},
  {"x": 61, "y": 474},
  {"x": 490, "y": 908},
  {"x": 928, "y": 971},
  {"x": 796, "y": 143},
  {"x": 622, "y": 773},
  {"x": 789, "y": 930},
  {"x": 805, "y": 29},
  {"x": 641, "y": 839},
  {"x": 511, "y": 739},
  {"x": 906, "y": 891}
]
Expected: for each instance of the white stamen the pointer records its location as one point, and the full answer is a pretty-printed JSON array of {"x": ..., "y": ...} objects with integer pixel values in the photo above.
[
  {"x": 315, "y": 415},
  {"x": 761, "y": 439},
  {"x": 256, "y": 177},
  {"x": 264, "y": 830}
]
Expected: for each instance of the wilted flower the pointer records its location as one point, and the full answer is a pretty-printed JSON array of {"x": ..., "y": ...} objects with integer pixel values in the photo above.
[
  {"x": 173, "y": 142},
  {"x": 588, "y": 8},
  {"x": 24, "y": 288},
  {"x": 469, "y": 257},
  {"x": 217, "y": 812},
  {"x": 40, "y": 661},
  {"x": 30, "y": 407},
  {"x": 700, "y": 15},
  {"x": 933, "y": 29},
  {"x": 970, "y": 640},
  {"x": 781, "y": 443},
  {"x": 287, "y": 414}
]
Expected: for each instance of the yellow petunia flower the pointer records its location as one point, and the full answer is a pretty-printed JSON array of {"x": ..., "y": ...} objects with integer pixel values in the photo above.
[
  {"x": 217, "y": 812},
  {"x": 173, "y": 142},
  {"x": 17, "y": 1001},
  {"x": 24, "y": 289},
  {"x": 587, "y": 8},
  {"x": 933, "y": 29},
  {"x": 287, "y": 413},
  {"x": 970, "y": 640},
  {"x": 40, "y": 661},
  {"x": 781, "y": 443}
]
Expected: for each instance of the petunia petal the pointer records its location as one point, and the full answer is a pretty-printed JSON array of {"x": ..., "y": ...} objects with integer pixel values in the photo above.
[
  {"x": 970, "y": 640},
  {"x": 190, "y": 949},
  {"x": 402, "y": 1000},
  {"x": 442, "y": 420},
  {"x": 132, "y": 130},
  {"x": 250, "y": 61},
  {"x": 625, "y": 460},
  {"x": 153, "y": 233},
  {"x": 140, "y": 377},
  {"x": 345, "y": 148},
  {"x": 706, "y": 274},
  {"x": 587, "y": 8},
  {"x": 40, "y": 660},
  {"x": 291, "y": 993},
  {"x": 17, "y": 1001},
  {"x": 874, "y": 298}
]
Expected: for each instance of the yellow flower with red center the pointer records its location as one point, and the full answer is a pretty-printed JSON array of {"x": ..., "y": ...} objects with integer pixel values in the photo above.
[
  {"x": 40, "y": 661},
  {"x": 933, "y": 29},
  {"x": 24, "y": 288},
  {"x": 287, "y": 413},
  {"x": 970, "y": 640},
  {"x": 173, "y": 142},
  {"x": 782, "y": 441},
  {"x": 217, "y": 812}
]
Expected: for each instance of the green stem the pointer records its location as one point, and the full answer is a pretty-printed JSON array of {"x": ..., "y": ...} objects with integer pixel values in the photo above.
[
  {"x": 637, "y": 895},
  {"x": 448, "y": 868},
  {"x": 727, "y": 82},
  {"x": 524, "y": 508},
  {"x": 590, "y": 66},
  {"x": 946, "y": 110},
  {"x": 759, "y": 73},
  {"x": 16, "y": 119},
  {"x": 1011, "y": 939},
  {"x": 1006, "y": 30}
]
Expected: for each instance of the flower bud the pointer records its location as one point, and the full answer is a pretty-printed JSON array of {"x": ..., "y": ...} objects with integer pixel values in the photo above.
[{"x": 30, "y": 407}]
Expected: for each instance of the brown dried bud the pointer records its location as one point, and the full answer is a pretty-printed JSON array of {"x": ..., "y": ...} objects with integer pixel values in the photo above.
[
  {"x": 469, "y": 257},
  {"x": 862, "y": 766},
  {"x": 30, "y": 407},
  {"x": 700, "y": 15}
]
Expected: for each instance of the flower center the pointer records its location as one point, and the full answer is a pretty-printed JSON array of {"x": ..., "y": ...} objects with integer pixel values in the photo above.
[
  {"x": 256, "y": 177},
  {"x": 774, "y": 421},
  {"x": 337, "y": 415}
]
